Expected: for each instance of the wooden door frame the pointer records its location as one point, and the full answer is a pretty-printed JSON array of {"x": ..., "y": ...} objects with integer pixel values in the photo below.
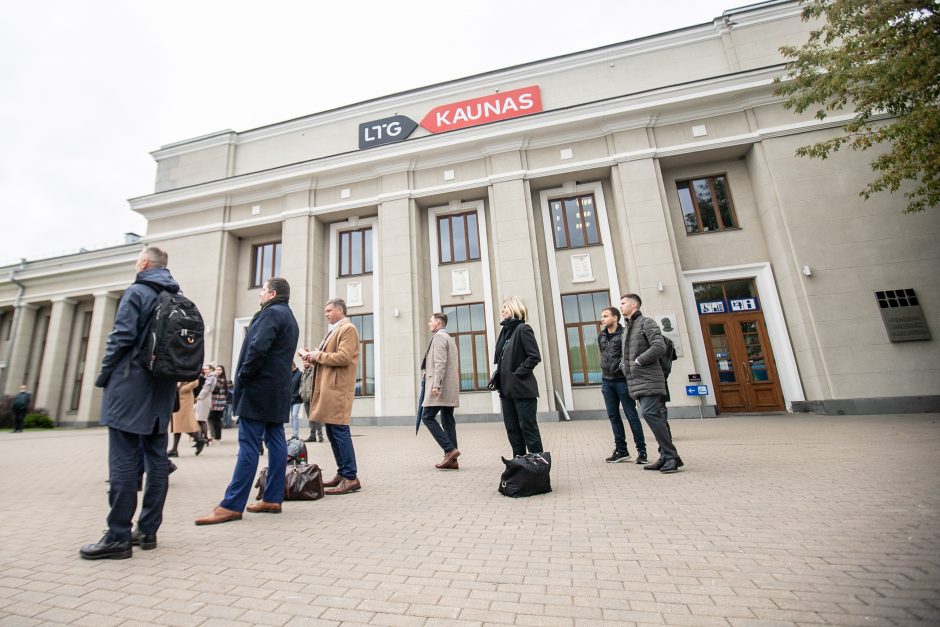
[{"x": 776, "y": 325}]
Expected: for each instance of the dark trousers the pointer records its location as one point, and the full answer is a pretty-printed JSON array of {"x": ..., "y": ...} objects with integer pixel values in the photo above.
[
  {"x": 215, "y": 423},
  {"x": 343, "y": 452},
  {"x": 521, "y": 426},
  {"x": 315, "y": 427},
  {"x": 617, "y": 394},
  {"x": 654, "y": 413},
  {"x": 19, "y": 415},
  {"x": 447, "y": 436},
  {"x": 124, "y": 453},
  {"x": 250, "y": 434}
]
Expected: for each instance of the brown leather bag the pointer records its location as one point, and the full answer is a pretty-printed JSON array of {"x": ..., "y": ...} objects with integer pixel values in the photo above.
[{"x": 302, "y": 482}]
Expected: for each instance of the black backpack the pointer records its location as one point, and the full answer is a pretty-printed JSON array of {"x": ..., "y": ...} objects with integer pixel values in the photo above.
[
  {"x": 668, "y": 357},
  {"x": 173, "y": 347}
]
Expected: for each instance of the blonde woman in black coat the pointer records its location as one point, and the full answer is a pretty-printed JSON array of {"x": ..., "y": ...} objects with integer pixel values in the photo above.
[{"x": 517, "y": 354}]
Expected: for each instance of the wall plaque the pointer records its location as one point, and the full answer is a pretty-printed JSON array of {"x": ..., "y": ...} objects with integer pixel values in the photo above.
[{"x": 902, "y": 316}]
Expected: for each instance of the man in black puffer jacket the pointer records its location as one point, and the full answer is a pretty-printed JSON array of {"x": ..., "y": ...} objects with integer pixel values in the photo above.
[{"x": 642, "y": 347}]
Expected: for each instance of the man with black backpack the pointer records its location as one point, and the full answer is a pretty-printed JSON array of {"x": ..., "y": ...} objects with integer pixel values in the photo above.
[
  {"x": 136, "y": 409},
  {"x": 643, "y": 348}
]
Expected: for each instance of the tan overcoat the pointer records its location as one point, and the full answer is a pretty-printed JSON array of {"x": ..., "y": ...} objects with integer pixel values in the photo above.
[
  {"x": 184, "y": 421},
  {"x": 442, "y": 370},
  {"x": 335, "y": 382}
]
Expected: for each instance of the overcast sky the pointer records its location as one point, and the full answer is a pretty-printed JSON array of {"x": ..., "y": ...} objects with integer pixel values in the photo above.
[{"x": 89, "y": 88}]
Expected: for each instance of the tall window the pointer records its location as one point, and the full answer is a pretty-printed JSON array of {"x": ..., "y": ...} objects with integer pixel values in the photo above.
[
  {"x": 582, "y": 315},
  {"x": 265, "y": 262},
  {"x": 80, "y": 364},
  {"x": 467, "y": 325},
  {"x": 355, "y": 252},
  {"x": 365, "y": 373},
  {"x": 706, "y": 204},
  {"x": 574, "y": 222},
  {"x": 458, "y": 237}
]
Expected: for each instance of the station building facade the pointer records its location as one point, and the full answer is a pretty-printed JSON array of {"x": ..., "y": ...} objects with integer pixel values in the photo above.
[{"x": 662, "y": 166}]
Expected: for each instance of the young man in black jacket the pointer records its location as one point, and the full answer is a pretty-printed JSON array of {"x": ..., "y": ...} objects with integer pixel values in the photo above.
[{"x": 615, "y": 391}]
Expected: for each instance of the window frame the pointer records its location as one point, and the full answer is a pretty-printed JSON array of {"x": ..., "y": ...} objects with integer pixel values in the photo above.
[
  {"x": 361, "y": 366},
  {"x": 478, "y": 386},
  {"x": 339, "y": 254},
  {"x": 463, "y": 215},
  {"x": 687, "y": 183},
  {"x": 597, "y": 225},
  {"x": 580, "y": 326},
  {"x": 275, "y": 258}
]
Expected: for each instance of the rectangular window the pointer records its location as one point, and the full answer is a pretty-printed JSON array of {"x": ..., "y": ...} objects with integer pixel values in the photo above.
[
  {"x": 355, "y": 252},
  {"x": 706, "y": 204},
  {"x": 467, "y": 325},
  {"x": 80, "y": 363},
  {"x": 582, "y": 316},
  {"x": 458, "y": 237},
  {"x": 265, "y": 262},
  {"x": 574, "y": 222},
  {"x": 365, "y": 373}
]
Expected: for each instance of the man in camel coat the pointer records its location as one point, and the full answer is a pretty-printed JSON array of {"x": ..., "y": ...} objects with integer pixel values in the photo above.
[
  {"x": 334, "y": 384},
  {"x": 442, "y": 386}
]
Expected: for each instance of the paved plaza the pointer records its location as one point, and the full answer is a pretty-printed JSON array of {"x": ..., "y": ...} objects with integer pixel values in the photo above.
[{"x": 775, "y": 520}]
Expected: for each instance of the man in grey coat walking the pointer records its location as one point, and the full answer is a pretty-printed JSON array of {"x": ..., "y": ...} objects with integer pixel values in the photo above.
[
  {"x": 442, "y": 390},
  {"x": 136, "y": 409},
  {"x": 643, "y": 345}
]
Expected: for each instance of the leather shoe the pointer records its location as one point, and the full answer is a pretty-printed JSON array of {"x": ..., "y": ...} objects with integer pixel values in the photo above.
[
  {"x": 671, "y": 465},
  {"x": 219, "y": 515},
  {"x": 448, "y": 465},
  {"x": 146, "y": 541},
  {"x": 332, "y": 483},
  {"x": 263, "y": 507},
  {"x": 655, "y": 465},
  {"x": 345, "y": 486},
  {"x": 451, "y": 455},
  {"x": 106, "y": 549}
]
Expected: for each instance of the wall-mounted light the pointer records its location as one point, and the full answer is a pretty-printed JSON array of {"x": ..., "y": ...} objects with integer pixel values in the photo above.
[
  {"x": 807, "y": 271},
  {"x": 659, "y": 286}
]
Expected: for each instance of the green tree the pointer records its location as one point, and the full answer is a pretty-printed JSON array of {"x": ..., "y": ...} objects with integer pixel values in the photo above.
[{"x": 880, "y": 58}]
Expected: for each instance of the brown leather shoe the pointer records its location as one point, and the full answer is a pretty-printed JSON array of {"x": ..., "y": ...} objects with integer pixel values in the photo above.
[
  {"x": 452, "y": 455},
  {"x": 263, "y": 507},
  {"x": 345, "y": 486},
  {"x": 219, "y": 515},
  {"x": 448, "y": 465},
  {"x": 332, "y": 483}
]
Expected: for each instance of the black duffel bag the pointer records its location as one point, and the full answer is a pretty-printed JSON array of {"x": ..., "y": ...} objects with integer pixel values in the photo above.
[{"x": 527, "y": 475}]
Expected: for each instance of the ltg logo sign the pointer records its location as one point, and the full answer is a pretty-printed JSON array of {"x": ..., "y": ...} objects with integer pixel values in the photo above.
[{"x": 453, "y": 116}]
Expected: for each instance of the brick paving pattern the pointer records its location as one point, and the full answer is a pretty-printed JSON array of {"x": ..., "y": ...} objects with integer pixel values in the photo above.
[{"x": 776, "y": 520}]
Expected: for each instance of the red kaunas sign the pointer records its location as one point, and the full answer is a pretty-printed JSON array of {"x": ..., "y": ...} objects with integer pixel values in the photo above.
[{"x": 510, "y": 104}]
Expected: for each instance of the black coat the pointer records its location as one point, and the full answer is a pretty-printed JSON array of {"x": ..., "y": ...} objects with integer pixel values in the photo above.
[
  {"x": 295, "y": 377},
  {"x": 520, "y": 355},
  {"x": 134, "y": 400},
  {"x": 262, "y": 376},
  {"x": 611, "y": 350},
  {"x": 643, "y": 342}
]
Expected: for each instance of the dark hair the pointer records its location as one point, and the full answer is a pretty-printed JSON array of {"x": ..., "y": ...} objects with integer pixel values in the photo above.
[
  {"x": 440, "y": 316},
  {"x": 279, "y": 286},
  {"x": 337, "y": 303},
  {"x": 613, "y": 311},
  {"x": 156, "y": 256},
  {"x": 634, "y": 298}
]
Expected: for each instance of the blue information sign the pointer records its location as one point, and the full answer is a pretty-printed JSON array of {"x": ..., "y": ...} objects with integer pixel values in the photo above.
[{"x": 696, "y": 390}]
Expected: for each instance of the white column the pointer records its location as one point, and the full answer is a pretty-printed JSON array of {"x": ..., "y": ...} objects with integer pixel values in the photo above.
[
  {"x": 102, "y": 320},
  {"x": 52, "y": 375},
  {"x": 19, "y": 356}
]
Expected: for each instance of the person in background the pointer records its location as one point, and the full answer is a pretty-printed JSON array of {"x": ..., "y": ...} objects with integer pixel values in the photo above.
[
  {"x": 615, "y": 391},
  {"x": 219, "y": 403},
  {"x": 184, "y": 419},
  {"x": 441, "y": 372},
  {"x": 204, "y": 402},
  {"x": 295, "y": 401},
  {"x": 20, "y": 406},
  {"x": 306, "y": 390},
  {"x": 515, "y": 357}
]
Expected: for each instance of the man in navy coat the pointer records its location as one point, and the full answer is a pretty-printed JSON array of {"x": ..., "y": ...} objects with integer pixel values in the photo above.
[
  {"x": 262, "y": 404},
  {"x": 136, "y": 409}
]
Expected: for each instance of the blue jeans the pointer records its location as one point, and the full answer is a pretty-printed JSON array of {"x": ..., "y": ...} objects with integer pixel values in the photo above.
[
  {"x": 250, "y": 434},
  {"x": 295, "y": 419},
  {"x": 617, "y": 394},
  {"x": 125, "y": 451},
  {"x": 343, "y": 452},
  {"x": 446, "y": 437}
]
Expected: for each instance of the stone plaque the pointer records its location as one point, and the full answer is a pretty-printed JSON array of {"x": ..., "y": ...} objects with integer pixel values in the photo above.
[
  {"x": 460, "y": 282},
  {"x": 902, "y": 316},
  {"x": 581, "y": 270},
  {"x": 670, "y": 328},
  {"x": 354, "y": 294}
]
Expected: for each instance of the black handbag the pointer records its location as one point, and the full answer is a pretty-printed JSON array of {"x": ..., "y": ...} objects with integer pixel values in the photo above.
[
  {"x": 527, "y": 475},
  {"x": 302, "y": 482}
]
